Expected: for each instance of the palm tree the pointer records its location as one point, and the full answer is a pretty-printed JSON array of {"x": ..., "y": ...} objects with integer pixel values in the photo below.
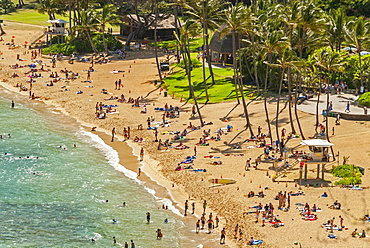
[
  {"x": 237, "y": 19},
  {"x": 106, "y": 16},
  {"x": 186, "y": 31},
  {"x": 357, "y": 32},
  {"x": 50, "y": 7},
  {"x": 88, "y": 23},
  {"x": 207, "y": 13},
  {"x": 271, "y": 42},
  {"x": 336, "y": 22},
  {"x": 329, "y": 62},
  {"x": 286, "y": 60}
]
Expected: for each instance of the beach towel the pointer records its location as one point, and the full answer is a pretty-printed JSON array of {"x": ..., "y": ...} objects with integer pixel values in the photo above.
[
  {"x": 332, "y": 236},
  {"x": 256, "y": 242}
]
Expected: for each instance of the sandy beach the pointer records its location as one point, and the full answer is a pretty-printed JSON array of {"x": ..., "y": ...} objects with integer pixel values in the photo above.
[{"x": 229, "y": 202}]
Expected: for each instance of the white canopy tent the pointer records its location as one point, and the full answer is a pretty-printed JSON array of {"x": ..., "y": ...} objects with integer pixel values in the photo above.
[{"x": 316, "y": 143}]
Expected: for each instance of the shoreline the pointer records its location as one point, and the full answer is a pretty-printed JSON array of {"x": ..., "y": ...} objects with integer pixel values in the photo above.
[{"x": 128, "y": 153}]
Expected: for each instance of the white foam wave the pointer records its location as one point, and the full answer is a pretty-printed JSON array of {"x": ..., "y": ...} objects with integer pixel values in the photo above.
[{"x": 113, "y": 159}]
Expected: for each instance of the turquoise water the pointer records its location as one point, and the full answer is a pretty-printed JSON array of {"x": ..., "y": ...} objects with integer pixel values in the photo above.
[{"x": 56, "y": 197}]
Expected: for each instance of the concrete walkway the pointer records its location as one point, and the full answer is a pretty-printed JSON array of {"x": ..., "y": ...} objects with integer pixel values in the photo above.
[{"x": 339, "y": 104}]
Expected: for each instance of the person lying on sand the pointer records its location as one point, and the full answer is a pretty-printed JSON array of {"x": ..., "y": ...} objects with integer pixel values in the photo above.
[{"x": 336, "y": 205}]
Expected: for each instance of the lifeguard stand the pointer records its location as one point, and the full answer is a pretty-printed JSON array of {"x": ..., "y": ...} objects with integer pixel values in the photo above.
[
  {"x": 57, "y": 28},
  {"x": 318, "y": 155}
]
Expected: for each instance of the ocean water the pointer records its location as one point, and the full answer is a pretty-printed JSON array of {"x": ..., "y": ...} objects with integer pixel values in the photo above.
[{"x": 56, "y": 197}]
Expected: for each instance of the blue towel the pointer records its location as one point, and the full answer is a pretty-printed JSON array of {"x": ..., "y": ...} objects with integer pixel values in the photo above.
[
  {"x": 256, "y": 242},
  {"x": 332, "y": 236}
]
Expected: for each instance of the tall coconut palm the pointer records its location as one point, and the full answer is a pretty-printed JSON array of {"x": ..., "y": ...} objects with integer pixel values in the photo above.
[
  {"x": 336, "y": 21},
  {"x": 329, "y": 62},
  {"x": 286, "y": 60},
  {"x": 106, "y": 16},
  {"x": 156, "y": 39},
  {"x": 358, "y": 31},
  {"x": 207, "y": 13},
  {"x": 237, "y": 18},
  {"x": 185, "y": 32},
  {"x": 271, "y": 42}
]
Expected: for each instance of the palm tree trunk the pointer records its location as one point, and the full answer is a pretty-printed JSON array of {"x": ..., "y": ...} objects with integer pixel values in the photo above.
[
  {"x": 278, "y": 108},
  {"x": 2, "y": 32},
  {"x": 265, "y": 97},
  {"x": 204, "y": 72},
  {"x": 209, "y": 60},
  {"x": 177, "y": 22},
  {"x": 155, "y": 43},
  {"x": 255, "y": 64},
  {"x": 317, "y": 107},
  {"x": 104, "y": 42},
  {"x": 91, "y": 42},
  {"x": 290, "y": 99},
  {"x": 327, "y": 125},
  {"x": 187, "y": 62},
  {"x": 238, "y": 82},
  {"x": 296, "y": 112},
  {"x": 360, "y": 66}
]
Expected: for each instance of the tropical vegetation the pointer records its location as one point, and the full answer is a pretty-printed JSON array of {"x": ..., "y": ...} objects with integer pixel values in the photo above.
[{"x": 349, "y": 174}]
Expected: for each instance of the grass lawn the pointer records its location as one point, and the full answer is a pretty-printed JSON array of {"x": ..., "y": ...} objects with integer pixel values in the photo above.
[
  {"x": 31, "y": 16},
  {"x": 171, "y": 45},
  {"x": 222, "y": 90}
]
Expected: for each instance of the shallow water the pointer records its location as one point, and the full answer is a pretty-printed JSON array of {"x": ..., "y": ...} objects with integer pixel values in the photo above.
[{"x": 55, "y": 197}]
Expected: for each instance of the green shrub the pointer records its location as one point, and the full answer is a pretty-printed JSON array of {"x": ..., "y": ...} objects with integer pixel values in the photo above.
[
  {"x": 112, "y": 42},
  {"x": 65, "y": 49},
  {"x": 349, "y": 173},
  {"x": 346, "y": 170},
  {"x": 81, "y": 45},
  {"x": 349, "y": 181},
  {"x": 364, "y": 99}
]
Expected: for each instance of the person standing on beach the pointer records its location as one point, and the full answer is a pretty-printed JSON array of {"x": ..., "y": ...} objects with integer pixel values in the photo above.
[
  {"x": 139, "y": 172},
  {"x": 341, "y": 221},
  {"x": 113, "y": 133},
  {"x": 193, "y": 208},
  {"x": 203, "y": 221},
  {"x": 223, "y": 236},
  {"x": 148, "y": 121},
  {"x": 114, "y": 240},
  {"x": 132, "y": 244},
  {"x": 13, "y": 104},
  {"x": 186, "y": 207},
  {"x": 141, "y": 154},
  {"x": 210, "y": 225},
  {"x": 126, "y": 244},
  {"x": 148, "y": 217},
  {"x": 197, "y": 226},
  {"x": 204, "y": 206}
]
